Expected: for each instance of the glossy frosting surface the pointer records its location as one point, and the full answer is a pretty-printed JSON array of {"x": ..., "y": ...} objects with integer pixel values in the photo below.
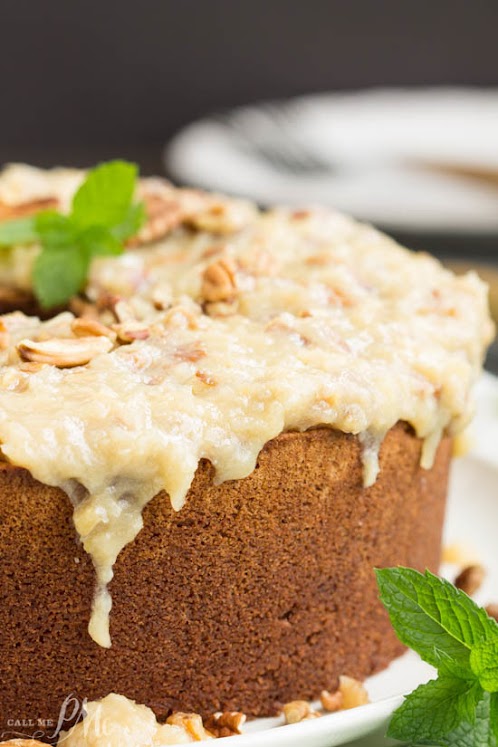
[{"x": 220, "y": 329}]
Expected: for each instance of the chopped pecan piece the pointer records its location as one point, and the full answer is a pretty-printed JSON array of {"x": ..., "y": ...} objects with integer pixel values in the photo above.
[
  {"x": 123, "y": 310},
  {"x": 31, "y": 367},
  {"x": 206, "y": 378},
  {"x": 24, "y": 743},
  {"x": 161, "y": 298},
  {"x": 190, "y": 723},
  {"x": 221, "y": 308},
  {"x": 301, "y": 214},
  {"x": 189, "y": 353},
  {"x": 64, "y": 353},
  {"x": 332, "y": 701},
  {"x": 470, "y": 579},
  {"x": 167, "y": 208},
  {"x": 353, "y": 692},
  {"x": 163, "y": 215},
  {"x": 219, "y": 282},
  {"x": 222, "y": 215},
  {"x": 131, "y": 330},
  {"x": 459, "y": 554},
  {"x": 82, "y": 308},
  {"x": 13, "y": 380},
  {"x": 492, "y": 611},
  {"x": 259, "y": 262},
  {"x": 226, "y": 724},
  {"x": 23, "y": 209},
  {"x": 181, "y": 317},
  {"x": 4, "y": 336},
  {"x": 87, "y": 327},
  {"x": 298, "y": 710},
  {"x": 212, "y": 251}
]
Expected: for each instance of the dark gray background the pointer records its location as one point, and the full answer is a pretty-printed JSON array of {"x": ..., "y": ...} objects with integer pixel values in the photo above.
[{"x": 87, "y": 80}]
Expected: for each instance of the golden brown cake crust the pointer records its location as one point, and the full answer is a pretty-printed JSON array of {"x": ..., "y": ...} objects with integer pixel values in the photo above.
[{"x": 257, "y": 592}]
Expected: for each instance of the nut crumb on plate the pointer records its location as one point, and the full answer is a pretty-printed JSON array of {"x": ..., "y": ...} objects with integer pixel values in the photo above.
[
  {"x": 225, "y": 724},
  {"x": 191, "y": 723},
  {"x": 332, "y": 702},
  {"x": 353, "y": 692},
  {"x": 298, "y": 710},
  {"x": 458, "y": 553},
  {"x": 470, "y": 579},
  {"x": 492, "y": 611}
]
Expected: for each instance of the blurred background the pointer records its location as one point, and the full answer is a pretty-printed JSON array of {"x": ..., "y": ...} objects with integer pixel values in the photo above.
[{"x": 403, "y": 131}]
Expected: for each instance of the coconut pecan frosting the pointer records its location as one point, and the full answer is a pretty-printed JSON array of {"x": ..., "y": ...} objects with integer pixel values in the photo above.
[{"x": 220, "y": 327}]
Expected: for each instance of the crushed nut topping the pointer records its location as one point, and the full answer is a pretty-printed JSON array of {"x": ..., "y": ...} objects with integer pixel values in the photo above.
[
  {"x": 167, "y": 208},
  {"x": 163, "y": 212},
  {"x": 87, "y": 327},
  {"x": 181, "y": 317},
  {"x": 4, "y": 336},
  {"x": 190, "y": 353},
  {"x": 131, "y": 330},
  {"x": 219, "y": 281},
  {"x": 354, "y": 354},
  {"x": 122, "y": 309},
  {"x": 221, "y": 308},
  {"x": 32, "y": 367},
  {"x": 471, "y": 579},
  {"x": 64, "y": 353},
  {"x": 24, "y": 743},
  {"x": 24, "y": 209},
  {"x": 13, "y": 381},
  {"x": 206, "y": 378},
  {"x": 222, "y": 216},
  {"x": 81, "y": 308}
]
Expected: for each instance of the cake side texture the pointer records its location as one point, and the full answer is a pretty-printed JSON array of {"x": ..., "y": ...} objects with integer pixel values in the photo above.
[{"x": 258, "y": 591}]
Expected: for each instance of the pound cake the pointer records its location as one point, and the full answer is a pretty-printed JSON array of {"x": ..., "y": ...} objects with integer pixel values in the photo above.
[{"x": 207, "y": 452}]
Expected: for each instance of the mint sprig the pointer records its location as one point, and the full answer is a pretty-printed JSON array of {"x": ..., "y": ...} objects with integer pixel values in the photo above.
[
  {"x": 448, "y": 630},
  {"x": 20, "y": 231},
  {"x": 102, "y": 216}
]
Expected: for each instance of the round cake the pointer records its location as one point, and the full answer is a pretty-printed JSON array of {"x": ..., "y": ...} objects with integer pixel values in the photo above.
[
  {"x": 206, "y": 455},
  {"x": 259, "y": 591}
]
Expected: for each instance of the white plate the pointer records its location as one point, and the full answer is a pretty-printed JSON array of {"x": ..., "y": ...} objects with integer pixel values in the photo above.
[
  {"x": 472, "y": 522},
  {"x": 372, "y": 144}
]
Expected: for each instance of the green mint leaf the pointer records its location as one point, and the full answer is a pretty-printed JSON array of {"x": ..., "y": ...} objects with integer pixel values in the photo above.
[
  {"x": 493, "y": 714},
  {"x": 20, "y": 231},
  {"x": 59, "y": 274},
  {"x": 480, "y": 733},
  {"x": 102, "y": 217},
  {"x": 131, "y": 223},
  {"x": 105, "y": 196},
  {"x": 432, "y": 617},
  {"x": 460, "y": 708},
  {"x": 448, "y": 666},
  {"x": 98, "y": 241},
  {"x": 484, "y": 664},
  {"x": 435, "y": 710},
  {"x": 55, "y": 230}
]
